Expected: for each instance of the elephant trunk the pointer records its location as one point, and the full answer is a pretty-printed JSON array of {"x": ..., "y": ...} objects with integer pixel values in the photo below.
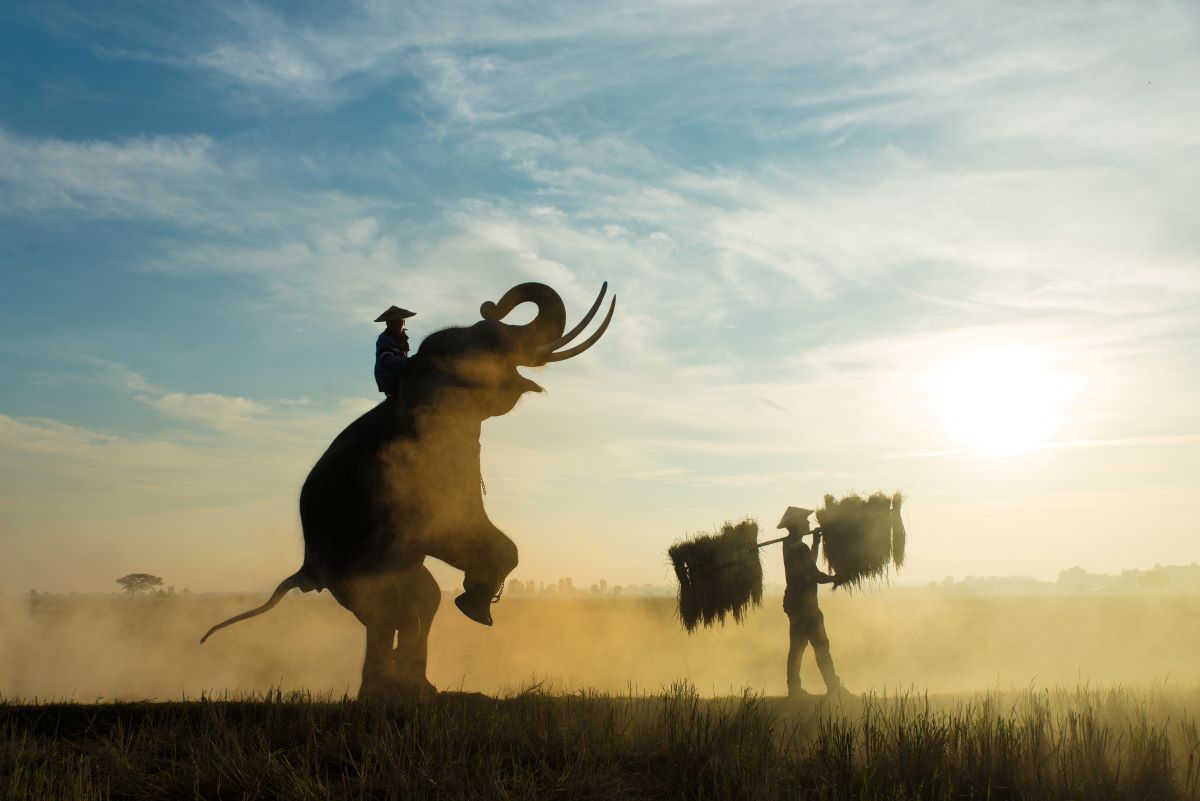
[{"x": 547, "y": 326}]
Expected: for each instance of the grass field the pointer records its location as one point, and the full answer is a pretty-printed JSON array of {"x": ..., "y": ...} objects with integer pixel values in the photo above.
[
  {"x": 1052, "y": 698},
  {"x": 1082, "y": 744}
]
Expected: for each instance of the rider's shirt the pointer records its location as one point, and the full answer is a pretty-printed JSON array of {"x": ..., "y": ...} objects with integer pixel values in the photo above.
[{"x": 390, "y": 362}]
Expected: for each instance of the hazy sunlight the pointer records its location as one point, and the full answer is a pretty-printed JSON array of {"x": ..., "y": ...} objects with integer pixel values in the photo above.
[{"x": 1000, "y": 401}]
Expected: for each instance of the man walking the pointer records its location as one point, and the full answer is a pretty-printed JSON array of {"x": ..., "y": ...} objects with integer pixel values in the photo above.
[{"x": 806, "y": 623}]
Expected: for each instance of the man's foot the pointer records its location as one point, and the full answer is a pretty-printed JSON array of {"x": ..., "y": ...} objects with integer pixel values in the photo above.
[{"x": 476, "y": 603}]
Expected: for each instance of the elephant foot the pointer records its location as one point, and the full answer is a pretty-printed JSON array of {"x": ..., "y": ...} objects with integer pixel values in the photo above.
[
  {"x": 396, "y": 690},
  {"x": 476, "y": 603}
]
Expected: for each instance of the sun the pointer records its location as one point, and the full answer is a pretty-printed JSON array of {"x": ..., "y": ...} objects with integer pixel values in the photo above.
[{"x": 999, "y": 401}]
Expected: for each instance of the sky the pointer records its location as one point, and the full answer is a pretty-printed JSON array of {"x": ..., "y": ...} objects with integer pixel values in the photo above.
[{"x": 949, "y": 249}]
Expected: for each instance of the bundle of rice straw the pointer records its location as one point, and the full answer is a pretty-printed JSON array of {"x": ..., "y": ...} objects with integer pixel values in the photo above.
[
  {"x": 862, "y": 536},
  {"x": 719, "y": 575}
]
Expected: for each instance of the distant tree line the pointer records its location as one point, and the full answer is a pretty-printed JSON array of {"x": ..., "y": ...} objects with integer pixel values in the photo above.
[{"x": 565, "y": 588}]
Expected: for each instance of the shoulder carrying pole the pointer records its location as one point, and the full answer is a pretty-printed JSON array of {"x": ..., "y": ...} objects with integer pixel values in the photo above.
[{"x": 816, "y": 530}]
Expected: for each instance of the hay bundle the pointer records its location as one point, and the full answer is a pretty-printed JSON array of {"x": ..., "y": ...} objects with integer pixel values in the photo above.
[
  {"x": 862, "y": 536},
  {"x": 719, "y": 575}
]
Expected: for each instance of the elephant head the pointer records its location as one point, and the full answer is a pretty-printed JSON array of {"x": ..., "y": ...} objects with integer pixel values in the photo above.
[{"x": 472, "y": 371}]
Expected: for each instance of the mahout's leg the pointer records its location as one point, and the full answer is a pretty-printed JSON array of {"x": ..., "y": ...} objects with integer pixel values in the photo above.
[
  {"x": 820, "y": 644},
  {"x": 798, "y": 629}
]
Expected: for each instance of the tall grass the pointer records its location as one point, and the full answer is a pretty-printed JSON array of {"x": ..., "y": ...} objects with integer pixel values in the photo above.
[{"x": 1080, "y": 743}]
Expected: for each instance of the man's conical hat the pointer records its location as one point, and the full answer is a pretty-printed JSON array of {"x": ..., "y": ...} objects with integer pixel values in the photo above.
[
  {"x": 794, "y": 516},
  {"x": 394, "y": 313}
]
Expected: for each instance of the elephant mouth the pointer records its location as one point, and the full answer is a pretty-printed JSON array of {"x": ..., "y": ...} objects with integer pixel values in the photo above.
[{"x": 522, "y": 385}]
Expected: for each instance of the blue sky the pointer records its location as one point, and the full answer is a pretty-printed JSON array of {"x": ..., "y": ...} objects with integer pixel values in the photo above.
[{"x": 950, "y": 250}]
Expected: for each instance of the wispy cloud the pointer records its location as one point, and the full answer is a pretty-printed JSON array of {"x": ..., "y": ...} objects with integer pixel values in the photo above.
[
  {"x": 1128, "y": 442},
  {"x": 145, "y": 177},
  {"x": 221, "y": 412}
]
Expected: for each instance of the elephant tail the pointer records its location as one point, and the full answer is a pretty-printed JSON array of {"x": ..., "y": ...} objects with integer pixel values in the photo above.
[{"x": 297, "y": 579}]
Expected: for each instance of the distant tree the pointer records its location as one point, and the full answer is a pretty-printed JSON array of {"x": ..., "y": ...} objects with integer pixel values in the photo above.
[
  {"x": 1154, "y": 579},
  {"x": 139, "y": 582}
]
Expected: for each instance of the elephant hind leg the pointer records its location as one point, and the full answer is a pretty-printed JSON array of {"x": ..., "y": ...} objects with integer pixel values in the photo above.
[
  {"x": 420, "y": 598},
  {"x": 397, "y": 610},
  {"x": 378, "y": 672}
]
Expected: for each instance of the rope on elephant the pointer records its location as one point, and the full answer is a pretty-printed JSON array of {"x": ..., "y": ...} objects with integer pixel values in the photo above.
[{"x": 482, "y": 485}]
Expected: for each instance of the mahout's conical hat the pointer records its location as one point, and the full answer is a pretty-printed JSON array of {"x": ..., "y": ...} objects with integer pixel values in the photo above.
[
  {"x": 794, "y": 516},
  {"x": 394, "y": 313}
]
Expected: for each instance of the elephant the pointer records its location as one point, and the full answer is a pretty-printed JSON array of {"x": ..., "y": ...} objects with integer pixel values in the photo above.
[{"x": 403, "y": 482}]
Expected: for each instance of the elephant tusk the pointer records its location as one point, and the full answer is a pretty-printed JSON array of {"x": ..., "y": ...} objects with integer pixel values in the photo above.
[
  {"x": 580, "y": 348},
  {"x": 550, "y": 347}
]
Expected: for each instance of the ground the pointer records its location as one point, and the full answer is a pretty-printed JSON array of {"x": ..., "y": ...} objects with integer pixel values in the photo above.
[
  {"x": 1112, "y": 744},
  {"x": 1074, "y": 697}
]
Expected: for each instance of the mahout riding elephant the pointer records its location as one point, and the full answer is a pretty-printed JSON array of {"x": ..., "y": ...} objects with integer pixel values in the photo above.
[{"x": 403, "y": 482}]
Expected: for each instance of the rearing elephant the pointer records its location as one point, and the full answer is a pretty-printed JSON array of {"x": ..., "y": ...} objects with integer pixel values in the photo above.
[{"x": 402, "y": 482}]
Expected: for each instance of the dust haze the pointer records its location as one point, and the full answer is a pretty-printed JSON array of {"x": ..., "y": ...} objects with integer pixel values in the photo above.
[{"x": 86, "y": 648}]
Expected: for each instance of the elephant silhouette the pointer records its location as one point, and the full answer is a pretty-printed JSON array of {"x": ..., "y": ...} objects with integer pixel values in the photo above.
[{"x": 402, "y": 482}]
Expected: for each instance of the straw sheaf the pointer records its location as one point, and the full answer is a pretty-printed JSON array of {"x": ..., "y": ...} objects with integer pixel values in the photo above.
[
  {"x": 862, "y": 537},
  {"x": 719, "y": 575}
]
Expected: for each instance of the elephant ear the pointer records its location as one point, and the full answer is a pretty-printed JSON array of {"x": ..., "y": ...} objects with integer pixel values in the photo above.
[{"x": 547, "y": 326}]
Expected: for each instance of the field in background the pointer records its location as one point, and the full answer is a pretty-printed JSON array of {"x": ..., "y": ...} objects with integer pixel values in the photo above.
[
  {"x": 1109, "y": 744},
  {"x": 85, "y": 648}
]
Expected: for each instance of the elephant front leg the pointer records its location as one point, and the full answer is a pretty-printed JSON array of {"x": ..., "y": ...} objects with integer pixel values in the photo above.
[{"x": 486, "y": 557}]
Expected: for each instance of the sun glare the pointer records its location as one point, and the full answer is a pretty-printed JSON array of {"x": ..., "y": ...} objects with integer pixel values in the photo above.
[{"x": 999, "y": 401}]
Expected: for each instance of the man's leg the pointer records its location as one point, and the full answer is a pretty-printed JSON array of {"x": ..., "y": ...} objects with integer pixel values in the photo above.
[
  {"x": 798, "y": 639},
  {"x": 820, "y": 643}
]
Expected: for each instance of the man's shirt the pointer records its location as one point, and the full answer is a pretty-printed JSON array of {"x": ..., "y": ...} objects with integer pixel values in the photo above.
[
  {"x": 802, "y": 574},
  {"x": 390, "y": 362}
]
